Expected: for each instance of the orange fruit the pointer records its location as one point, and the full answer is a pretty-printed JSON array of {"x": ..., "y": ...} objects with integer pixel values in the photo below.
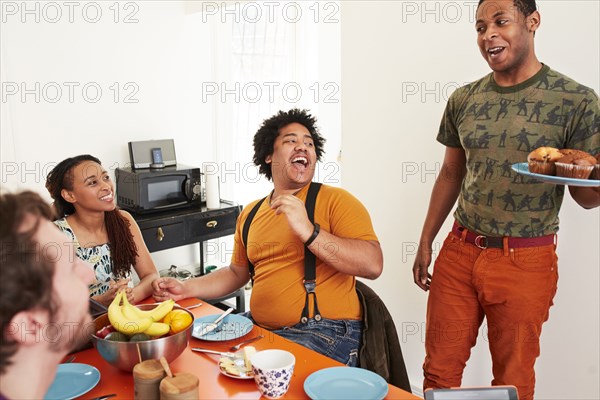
[{"x": 178, "y": 320}]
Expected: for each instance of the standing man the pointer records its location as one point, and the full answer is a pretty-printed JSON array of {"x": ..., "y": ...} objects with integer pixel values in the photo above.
[
  {"x": 510, "y": 280},
  {"x": 43, "y": 297},
  {"x": 286, "y": 149}
]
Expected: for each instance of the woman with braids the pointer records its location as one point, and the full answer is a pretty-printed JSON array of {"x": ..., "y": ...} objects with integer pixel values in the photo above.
[{"x": 106, "y": 237}]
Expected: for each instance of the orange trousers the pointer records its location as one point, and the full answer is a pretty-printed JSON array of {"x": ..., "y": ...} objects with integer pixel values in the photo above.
[{"x": 512, "y": 288}]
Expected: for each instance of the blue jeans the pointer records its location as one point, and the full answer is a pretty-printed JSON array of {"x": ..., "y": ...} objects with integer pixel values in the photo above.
[{"x": 337, "y": 339}]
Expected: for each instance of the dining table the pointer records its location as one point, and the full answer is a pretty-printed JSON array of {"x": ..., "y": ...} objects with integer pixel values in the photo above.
[{"x": 212, "y": 383}]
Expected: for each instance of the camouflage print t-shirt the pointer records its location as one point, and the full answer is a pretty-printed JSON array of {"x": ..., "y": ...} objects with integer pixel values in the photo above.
[{"x": 498, "y": 127}]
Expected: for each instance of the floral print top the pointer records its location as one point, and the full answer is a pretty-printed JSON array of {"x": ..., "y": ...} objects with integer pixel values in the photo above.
[{"x": 97, "y": 256}]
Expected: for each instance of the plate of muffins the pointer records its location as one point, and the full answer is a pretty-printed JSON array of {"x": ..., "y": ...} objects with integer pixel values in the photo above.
[{"x": 561, "y": 167}]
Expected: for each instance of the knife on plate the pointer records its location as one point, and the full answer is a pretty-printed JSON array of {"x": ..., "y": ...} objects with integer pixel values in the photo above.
[
  {"x": 221, "y": 353},
  {"x": 213, "y": 325}
]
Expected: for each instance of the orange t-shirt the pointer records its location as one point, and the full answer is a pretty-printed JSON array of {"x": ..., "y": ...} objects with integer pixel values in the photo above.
[{"x": 278, "y": 294}]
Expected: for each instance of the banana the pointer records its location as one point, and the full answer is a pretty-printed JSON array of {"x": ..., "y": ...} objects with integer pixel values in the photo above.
[
  {"x": 123, "y": 324},
  {"x": 130, "y": 311},
  {"x": 158, "y": 329},
  {"x": 157, "y": 313},
  {"x": 115, "y": 315}
]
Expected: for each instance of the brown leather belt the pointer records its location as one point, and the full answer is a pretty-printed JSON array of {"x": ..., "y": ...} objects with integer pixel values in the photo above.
[{"x": 485, "y": 242}]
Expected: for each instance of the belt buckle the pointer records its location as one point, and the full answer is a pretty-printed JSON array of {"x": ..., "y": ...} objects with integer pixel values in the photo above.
[{"x": 478, "y": 241}]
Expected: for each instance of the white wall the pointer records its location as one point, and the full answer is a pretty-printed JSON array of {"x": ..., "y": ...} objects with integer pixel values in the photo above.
[
  {"x": 400, "y": 62},
  {"x": 150, "y": 48}
]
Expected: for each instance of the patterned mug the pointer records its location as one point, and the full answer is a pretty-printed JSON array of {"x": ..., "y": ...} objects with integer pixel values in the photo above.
[{"x": 273, "y": 371}]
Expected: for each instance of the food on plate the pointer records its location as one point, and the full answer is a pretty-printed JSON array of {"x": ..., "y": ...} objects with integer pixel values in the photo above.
[
  {"x": 575, "y": 164},
  {"x": 229, "y": 366},
  {"x": 542, "y": 159},
  {"x": 249, "y": 351},
  {"x": 239, "y": 363}
]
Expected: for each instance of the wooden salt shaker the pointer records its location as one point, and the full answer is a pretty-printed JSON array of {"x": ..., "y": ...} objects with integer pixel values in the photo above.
[
  {"x": 146, "y": 380},
  {"x": 184, "y": 386}
]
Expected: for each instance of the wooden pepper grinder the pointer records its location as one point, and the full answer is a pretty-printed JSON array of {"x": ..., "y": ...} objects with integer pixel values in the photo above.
[
  {"x": 146, "y": 380},
  {"x": 184, "y": 386}
]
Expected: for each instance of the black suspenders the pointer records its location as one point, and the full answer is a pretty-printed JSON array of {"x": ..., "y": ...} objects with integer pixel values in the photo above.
[{"x": 310, "y": 260}]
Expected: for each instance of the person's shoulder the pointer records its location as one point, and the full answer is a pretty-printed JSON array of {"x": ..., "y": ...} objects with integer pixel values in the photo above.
[
  {"x": 63, "y": 225},
  {"x": 248, "y": 207},
  {"x": 568, "y": 85},
  {"x": 126, "y": 214},
  {"x": 336, "y": 193}
]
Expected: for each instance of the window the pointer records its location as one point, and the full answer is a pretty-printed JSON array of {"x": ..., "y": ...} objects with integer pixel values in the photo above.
[
  {"x": 269, "y": 56},
  {"x": 266, "y": 57}
]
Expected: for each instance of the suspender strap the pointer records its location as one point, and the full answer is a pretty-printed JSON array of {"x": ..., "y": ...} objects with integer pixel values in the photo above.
[
  {"x": 310, "y": 260},
  {"x": 245, "y": 230}
]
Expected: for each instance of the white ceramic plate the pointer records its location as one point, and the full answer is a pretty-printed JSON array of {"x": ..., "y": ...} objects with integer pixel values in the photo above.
[
  {"x": 72, "y": 380},
  {"x": 240, "y": 366},
  {"x": 345, "y": 383},
  {"x": 523, "y": 169}
]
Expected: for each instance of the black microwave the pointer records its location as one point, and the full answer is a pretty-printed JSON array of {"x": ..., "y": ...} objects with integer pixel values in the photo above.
[{"x": 151, "y": 190}]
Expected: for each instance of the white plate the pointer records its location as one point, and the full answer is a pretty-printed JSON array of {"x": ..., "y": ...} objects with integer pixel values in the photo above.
[
  {"x": 72, "y": 380},
  {"x": 233, "y": 326},
  {"x": 238, "y": 361},
  {"x": 523, "y": 169},
  {"x": 345, "y": 383}
]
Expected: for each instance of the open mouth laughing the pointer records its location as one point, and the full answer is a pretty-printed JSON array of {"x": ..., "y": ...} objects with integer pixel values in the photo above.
[
  {"x": 300, "y": 160},
  {"x": 495, "y": 51}
]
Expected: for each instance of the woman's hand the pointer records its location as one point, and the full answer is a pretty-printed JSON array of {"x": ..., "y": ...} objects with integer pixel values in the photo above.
[
  {"x": 115, "y": 287},
  {"x": 168, "y": 288}
]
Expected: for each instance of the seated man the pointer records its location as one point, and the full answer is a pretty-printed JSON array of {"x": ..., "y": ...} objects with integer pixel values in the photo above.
[
  {"x": 43, "y": 297},
  {"x": 286, "y": 149}
]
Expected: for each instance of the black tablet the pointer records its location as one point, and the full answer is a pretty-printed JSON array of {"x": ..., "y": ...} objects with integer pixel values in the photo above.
[{"x": 474, "y": 393}]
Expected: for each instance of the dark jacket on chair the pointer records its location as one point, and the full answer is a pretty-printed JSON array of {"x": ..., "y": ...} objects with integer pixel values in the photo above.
[{"x": 380, "y": 351}]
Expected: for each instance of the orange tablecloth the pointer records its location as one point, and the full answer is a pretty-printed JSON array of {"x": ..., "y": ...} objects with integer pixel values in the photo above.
[{"x": 214, "y": 385}]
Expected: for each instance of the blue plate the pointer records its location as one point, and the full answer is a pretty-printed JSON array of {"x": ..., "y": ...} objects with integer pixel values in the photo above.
[
  {"x": 73, "y": 380},
  {"x": 233, "y": 326},
  {"x": 523, "y": 169},
  {"x": 345, "y": 383}
]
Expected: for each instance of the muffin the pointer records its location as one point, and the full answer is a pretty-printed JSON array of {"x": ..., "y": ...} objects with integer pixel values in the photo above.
[
  {"x": 541, "y": 160},
  {"x": 575, "y": 164},
  {"x": 596, "y": 171},
  {"x": 575, "y": 153}
]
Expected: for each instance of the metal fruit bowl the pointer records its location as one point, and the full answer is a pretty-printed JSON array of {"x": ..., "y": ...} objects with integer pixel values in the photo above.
[{"x": 125, "y": 355}]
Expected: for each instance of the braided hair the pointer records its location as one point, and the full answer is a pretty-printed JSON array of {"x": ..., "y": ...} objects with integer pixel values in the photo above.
[{"x": 123, "y": 250}]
